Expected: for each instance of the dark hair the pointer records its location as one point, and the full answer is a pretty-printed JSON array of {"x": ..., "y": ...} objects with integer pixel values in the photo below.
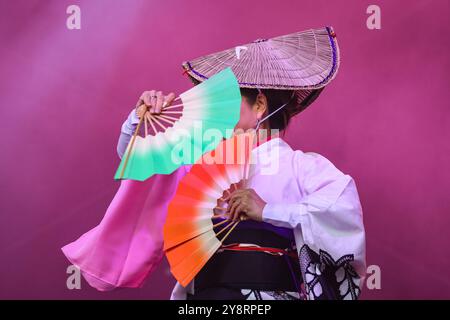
[{"x": 275, "y": 99}]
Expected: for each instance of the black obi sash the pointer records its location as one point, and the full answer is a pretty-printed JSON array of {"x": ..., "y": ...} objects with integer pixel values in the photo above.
[{"x": 251, "y": 269}]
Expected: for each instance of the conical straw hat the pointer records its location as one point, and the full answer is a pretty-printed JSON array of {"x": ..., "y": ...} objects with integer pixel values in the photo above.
[{"x": 303, "y": 61}]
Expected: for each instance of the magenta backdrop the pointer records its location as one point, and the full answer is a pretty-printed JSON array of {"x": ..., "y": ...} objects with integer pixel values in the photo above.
[{"x": 65, "y": 93}]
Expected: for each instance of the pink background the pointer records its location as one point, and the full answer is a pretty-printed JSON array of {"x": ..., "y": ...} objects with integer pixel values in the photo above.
[{"x": 65, "y": 93}]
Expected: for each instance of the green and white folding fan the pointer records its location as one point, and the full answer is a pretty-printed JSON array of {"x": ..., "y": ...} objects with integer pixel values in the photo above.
[{"x": 183, "y": 133}]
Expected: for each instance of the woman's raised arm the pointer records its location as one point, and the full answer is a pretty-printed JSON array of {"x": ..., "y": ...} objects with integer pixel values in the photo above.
[{"x": 152, "y": 101}]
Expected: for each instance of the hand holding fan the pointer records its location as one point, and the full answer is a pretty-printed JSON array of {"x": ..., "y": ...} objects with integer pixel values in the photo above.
[
  {"x": 196, "y": 224},
  {"x": 213, "y": 104}
]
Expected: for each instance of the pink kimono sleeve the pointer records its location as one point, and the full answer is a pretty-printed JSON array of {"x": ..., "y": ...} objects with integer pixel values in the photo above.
[{"x": 124, "y": 249}]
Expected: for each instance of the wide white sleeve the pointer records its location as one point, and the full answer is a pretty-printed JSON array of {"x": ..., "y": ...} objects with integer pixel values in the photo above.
[
  {"x": 329, "y": 215},
  {"x": 126, "y": 132}
]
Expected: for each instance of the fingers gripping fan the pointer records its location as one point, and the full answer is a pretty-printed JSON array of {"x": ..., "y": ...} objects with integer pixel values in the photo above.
[
  {"x": 196, "y": 222},
  {"x": 179, "y": 130}
]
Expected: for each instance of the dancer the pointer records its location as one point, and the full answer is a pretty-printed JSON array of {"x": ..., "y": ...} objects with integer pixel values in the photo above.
[{"x": 302, "y": 236}]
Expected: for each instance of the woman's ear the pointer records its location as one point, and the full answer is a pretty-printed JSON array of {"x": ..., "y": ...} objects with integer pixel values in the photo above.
[{"x": 260, "y": 107}]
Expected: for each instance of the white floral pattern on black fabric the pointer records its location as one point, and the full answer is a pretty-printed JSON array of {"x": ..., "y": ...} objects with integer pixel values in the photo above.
[{"x": 327, "y": 279}]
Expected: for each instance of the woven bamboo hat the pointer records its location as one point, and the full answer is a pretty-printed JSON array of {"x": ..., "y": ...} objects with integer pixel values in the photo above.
[{"x": 303, "y": 61}]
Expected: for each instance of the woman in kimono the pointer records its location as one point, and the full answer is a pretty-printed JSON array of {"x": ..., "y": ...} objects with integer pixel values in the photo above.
[{"x": 301, "y": 234}]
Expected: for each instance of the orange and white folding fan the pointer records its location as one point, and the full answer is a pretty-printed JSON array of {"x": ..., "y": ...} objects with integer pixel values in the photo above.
[{"x": 197, "y": 223}]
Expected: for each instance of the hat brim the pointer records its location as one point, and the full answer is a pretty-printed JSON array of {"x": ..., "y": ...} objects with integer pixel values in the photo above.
[{"x": 304, "y": 60}]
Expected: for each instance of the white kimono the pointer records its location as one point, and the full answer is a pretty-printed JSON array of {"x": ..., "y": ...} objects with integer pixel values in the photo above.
[{"x": 306, "y": 192}]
